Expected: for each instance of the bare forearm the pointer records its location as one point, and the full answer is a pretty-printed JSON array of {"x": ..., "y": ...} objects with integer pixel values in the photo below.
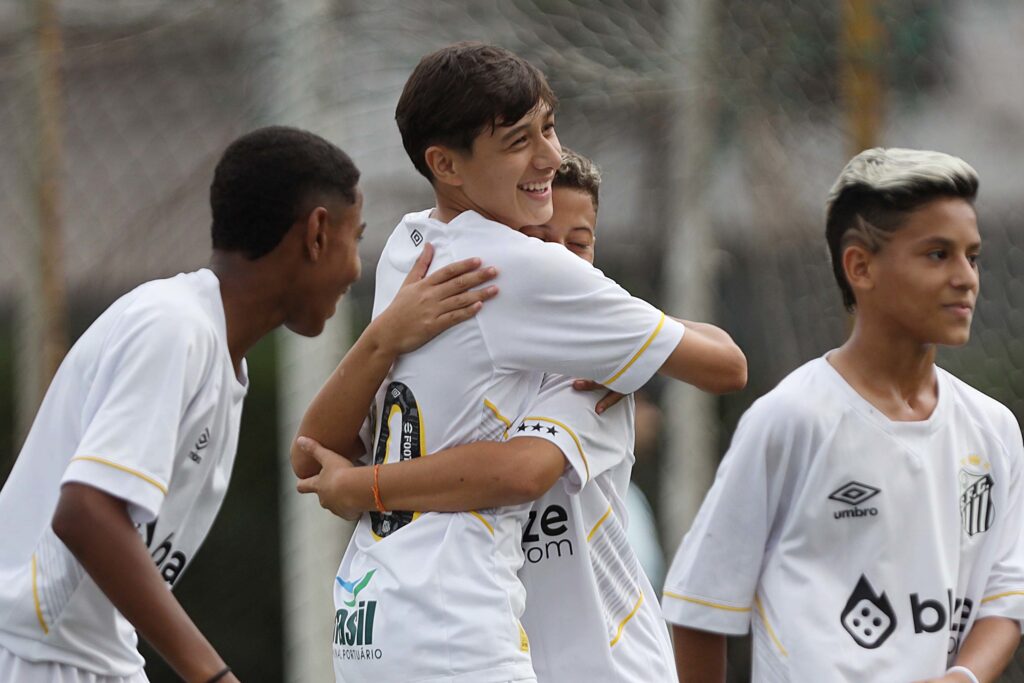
[
  {"x": 479, "y": 475},
  {"x": 700, "y": 655},
  {"x": 338, "y": 410},
  {"x": 707, "y": 358},
  {"x": 989, "y": 646},
  {"x": 97, "y": 530}
]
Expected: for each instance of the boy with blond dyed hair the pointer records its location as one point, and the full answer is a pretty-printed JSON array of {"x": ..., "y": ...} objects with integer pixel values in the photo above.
[{"x": 866, "y": 521}]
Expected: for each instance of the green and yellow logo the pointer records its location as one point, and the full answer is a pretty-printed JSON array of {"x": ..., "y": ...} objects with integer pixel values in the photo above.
[{"x": 354, "y": 626}]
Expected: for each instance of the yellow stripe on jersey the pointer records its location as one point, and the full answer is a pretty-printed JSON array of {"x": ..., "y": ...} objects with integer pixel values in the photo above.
[
  {"x": 623, "y": 623},
  {"x": 576, "y": 440},
  {"x": 482, "y": 521},
  {"x": 497, "y": 413},
  {"x": 387, "y": 444},
  {"x": 35, "y": 599},
  {"x": 601, "y": 521},
  {"x": 524, "y": 640},
  {"x": 1001, "y": 595},
  {"x": 117, "y": 466},
  {"x": 639, "y": 353},
  {"x": 768, "y": 627},
  {"x": 704, "y": 603}
]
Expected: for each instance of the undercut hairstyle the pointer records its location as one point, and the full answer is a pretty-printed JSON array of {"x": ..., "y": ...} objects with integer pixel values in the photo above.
[
  {"x": 269, "y": 179},
  {"x": 577, "y": 172},
  {"x": 876, "y": 192},
  {"x": 457, "y": 92}
]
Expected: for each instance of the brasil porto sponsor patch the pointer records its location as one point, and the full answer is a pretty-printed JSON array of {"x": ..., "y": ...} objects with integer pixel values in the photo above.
[{"x": 353, "y": 621}]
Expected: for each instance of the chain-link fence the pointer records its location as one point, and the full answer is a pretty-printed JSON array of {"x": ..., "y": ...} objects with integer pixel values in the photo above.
[{"x": 719, "y": 126}]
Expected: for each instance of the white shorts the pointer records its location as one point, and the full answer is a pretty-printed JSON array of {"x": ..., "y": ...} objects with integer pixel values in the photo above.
[{"x": 14, "y": 668}]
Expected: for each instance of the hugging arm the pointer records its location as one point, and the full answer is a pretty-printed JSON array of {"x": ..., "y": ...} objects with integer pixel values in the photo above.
[{"x": 424, "y": 307}]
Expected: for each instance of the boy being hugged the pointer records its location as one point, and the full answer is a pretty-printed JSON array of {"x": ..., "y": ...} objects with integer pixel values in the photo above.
[
  {"x": 591, "y": 613},
  {"x": 866, "y": 521},
  {"x": 429, "y": 596}
]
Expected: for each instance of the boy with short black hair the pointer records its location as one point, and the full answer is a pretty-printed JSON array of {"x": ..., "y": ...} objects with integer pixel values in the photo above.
[
  {"x": 132, "y": 448},
  {"x": 574, "y": 539},
  {"x": 431, "y": 596},
  {"x": 866, "y": 521}
]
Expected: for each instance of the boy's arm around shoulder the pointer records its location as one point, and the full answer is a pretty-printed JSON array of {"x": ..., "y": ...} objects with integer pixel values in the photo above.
[
  {"x": 707, "y": 358},
  {"x": 96, "y": 528}
]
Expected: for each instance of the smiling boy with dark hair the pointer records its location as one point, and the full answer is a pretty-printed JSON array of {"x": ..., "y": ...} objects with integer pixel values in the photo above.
[{"x": 438, "y": 594}]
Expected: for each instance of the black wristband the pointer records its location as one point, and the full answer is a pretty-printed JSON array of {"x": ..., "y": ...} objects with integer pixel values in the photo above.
[{"x": 220, "y": 674}]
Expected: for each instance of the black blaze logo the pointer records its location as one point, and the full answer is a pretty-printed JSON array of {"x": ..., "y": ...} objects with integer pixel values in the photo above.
[
  {"x": 868, "y": 617},
  {"x": 399, "y": 398}
]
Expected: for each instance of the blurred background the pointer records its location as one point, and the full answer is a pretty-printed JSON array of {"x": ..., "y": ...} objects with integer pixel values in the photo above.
[{"x": 719, "y": 126}]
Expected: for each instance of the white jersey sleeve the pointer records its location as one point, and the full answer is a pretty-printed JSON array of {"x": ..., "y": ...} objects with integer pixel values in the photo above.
[
  {"x": 591, "y": 443},
  {"x": 148, "y": 371},
  {"x": 564, "y": 316},
  {"x": 1004, "y": 590},
  {"x": 712, "y": 582}
]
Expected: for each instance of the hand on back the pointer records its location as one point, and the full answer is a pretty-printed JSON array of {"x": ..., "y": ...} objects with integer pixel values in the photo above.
[{"x": 426, "y": 306}]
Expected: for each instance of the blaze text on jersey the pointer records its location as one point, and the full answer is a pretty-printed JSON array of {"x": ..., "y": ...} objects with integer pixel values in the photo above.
[{"x": 870, "y": 619}]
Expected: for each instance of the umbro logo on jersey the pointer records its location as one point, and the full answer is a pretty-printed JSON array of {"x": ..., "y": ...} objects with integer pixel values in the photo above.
[
  {"x": 416, "y": 237},
  {"x": 543, "y": 428},
  {"x": 196, "y": 454},
  {"x": 977, "y": 511},
  {"x": 853, "y": 493},
  {"x": 868, "y": 616}
]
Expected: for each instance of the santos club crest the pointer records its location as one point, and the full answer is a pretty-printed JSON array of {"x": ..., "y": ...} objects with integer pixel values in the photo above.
[{"x": 977, "y": 511}]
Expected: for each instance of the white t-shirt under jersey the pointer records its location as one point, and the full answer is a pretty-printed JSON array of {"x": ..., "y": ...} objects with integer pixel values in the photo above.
[
  {"x": 591, "y": 613},
  {"x": 435, "y": 597},
  {"x": 146, "y": 407},
  {"x": 861, "y": 549}
]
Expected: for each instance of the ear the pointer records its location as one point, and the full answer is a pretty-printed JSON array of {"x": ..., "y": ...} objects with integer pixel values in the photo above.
[
  {"x": 857, "y": 264},
  {"x": 314, "y": 239},
  {"x": 443, "y": 163}
]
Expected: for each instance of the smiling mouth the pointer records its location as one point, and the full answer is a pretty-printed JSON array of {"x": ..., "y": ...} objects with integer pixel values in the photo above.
[{"x": 537, "y": 188}]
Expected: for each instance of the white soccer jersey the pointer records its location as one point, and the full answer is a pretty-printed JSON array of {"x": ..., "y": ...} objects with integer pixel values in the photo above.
[
  {"x": 146, "y": 407},
  {"x": 860, "y": 549},
  {"x": 591, "y": 613},
  {"x": 435, "y": 597}
]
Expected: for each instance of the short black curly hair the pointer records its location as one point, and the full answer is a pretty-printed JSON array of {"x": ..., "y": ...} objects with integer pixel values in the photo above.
[{"x": 266, "y": 179}]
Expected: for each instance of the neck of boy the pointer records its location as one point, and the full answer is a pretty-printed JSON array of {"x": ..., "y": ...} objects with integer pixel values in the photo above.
[
  {"x": 452, "y": 201},
  {"x": 251, "y": 309},
  {"x": 894, "y": 373}
]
